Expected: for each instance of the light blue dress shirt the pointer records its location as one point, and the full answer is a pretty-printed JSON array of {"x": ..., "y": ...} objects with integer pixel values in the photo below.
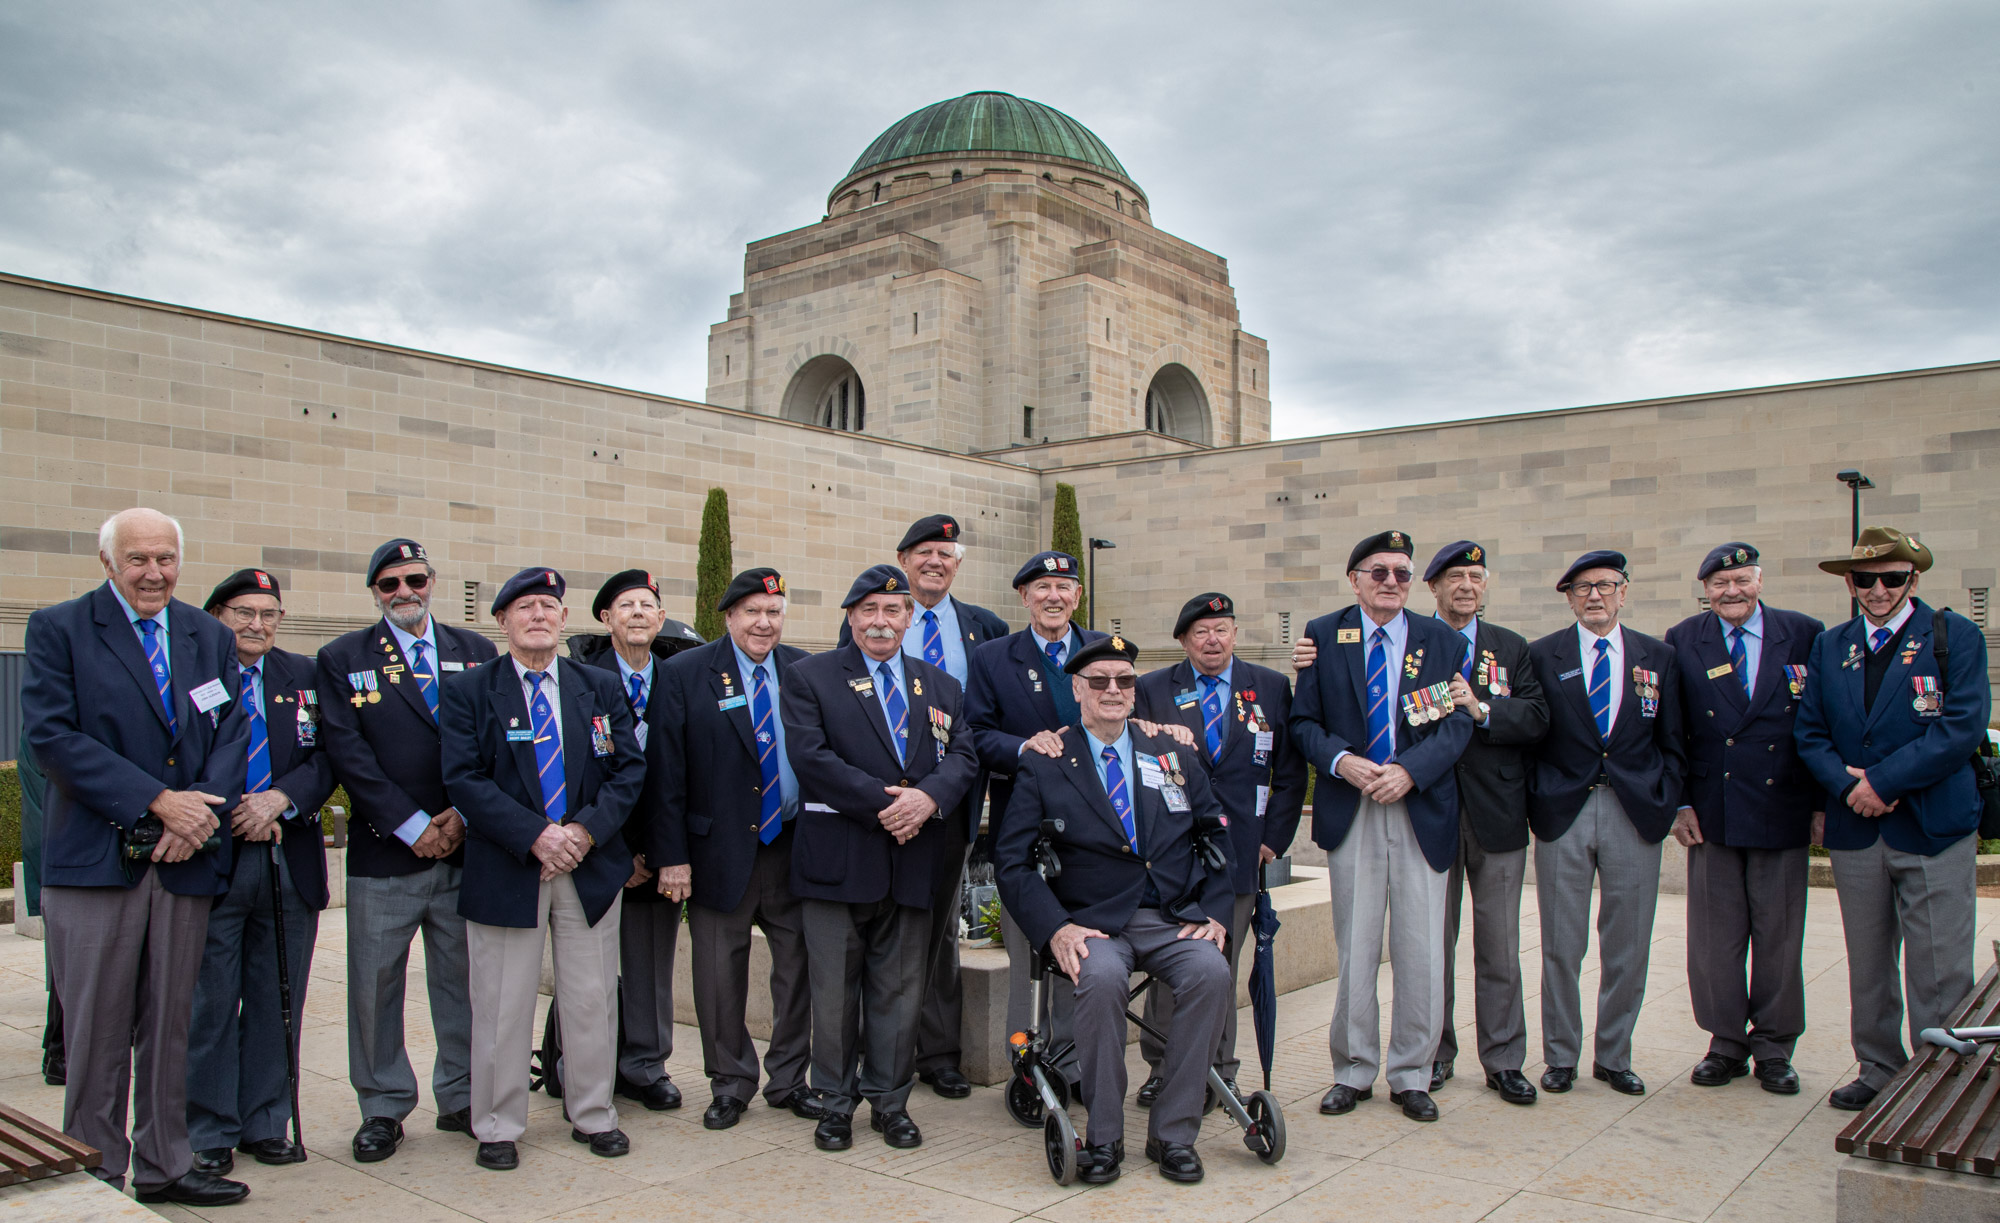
[
  {"x": 1393, "y": 651},
  {"x": 412, "y": 828},
  {"x": 252, "y": 696},
  {"x": 1753, "y": 644},
  {"x": 788, "y": 782},
  {"x": 1124, "y": 749},
  {"x": 949, "y": 631},
  {"x": 134, "y": 617},
  {"x": 895, "y": 665},
  {"x": 1471, "y": 634},
  {"x": 625, "y": 674}
]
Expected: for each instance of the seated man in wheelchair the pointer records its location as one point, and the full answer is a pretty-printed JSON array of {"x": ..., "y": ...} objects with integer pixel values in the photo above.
[{"x": 1134, "y": 892}]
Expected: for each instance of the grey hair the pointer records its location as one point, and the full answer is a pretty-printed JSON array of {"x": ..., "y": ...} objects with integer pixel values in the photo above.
[
  {"x": 957, "y": 550},
  {"x": 107, "y": 535}
]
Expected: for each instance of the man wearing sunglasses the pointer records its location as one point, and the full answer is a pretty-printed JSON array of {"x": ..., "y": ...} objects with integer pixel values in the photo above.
[
  {"x": 1374, "y": 714},
  {"x": 1748, "y": 810},
  {"x": 379, "y": 694},
  {"x": 1601, "y": 796},
  {"x": 1889, "y": 734}
]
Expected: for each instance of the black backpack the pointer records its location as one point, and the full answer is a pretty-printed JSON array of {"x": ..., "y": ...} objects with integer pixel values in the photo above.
[{"x": 1985, "y": 766}]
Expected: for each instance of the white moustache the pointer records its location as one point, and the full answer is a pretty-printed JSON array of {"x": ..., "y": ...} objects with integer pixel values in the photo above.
[{"x": 880, "y": 634}]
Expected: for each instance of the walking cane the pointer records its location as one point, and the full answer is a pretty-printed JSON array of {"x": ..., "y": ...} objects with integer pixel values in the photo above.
[{"x": 285, "y": 1002}]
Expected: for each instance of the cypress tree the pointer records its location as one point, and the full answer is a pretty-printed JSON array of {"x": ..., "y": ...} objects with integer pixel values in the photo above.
[
  {"x": 1066, "y": 535},
  {"x": 714, "y": 565}
]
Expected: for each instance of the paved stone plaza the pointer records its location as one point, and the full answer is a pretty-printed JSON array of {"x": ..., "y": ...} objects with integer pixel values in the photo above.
[{"x": 1680, "y": 1152}]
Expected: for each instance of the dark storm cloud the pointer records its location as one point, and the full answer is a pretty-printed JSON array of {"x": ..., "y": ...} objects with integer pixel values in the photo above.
[{"x": 1429, "y": 210}]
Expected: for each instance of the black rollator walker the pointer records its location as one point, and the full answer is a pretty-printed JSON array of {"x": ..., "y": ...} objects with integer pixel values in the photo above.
[{"x": 1038, "y": 1095}]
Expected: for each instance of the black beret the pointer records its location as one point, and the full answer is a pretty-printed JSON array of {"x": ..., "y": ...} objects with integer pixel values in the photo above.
[
  {"x": 395, "y": 552},
  {"x": 1602, "y": 558},
  {"x": 1732, "y": 555},
  {"x": 243, "y": 581},
  {"x": 631, "y": 579},
  {"x": 876, "y": 580},
  {"x": 1452, "y": 555},
  {"x": 923, "y": 530},
  {"x": 1203, "y": 607},
  {"x": 1047, "y": 565},
  {"x": 1113, "y": 646},
  {"x": 1387, "y": 541},
  {"x": 751, "y": 582},
  {"x": 530, "y": 582}
]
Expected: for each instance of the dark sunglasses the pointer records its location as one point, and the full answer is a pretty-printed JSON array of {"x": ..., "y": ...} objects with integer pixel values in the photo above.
[
  {"x": 1099, "y": 683},
  {"x": 1383, "y": 575},
  {"x": 415, "y": 581},
  {"x": 1894, "y": 580}
]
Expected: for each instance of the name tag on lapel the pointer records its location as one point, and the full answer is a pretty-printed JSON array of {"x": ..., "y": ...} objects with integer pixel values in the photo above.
[
  {"x": 1719, "y": 672},
  {"x": 1347, "y": 636},
  {"x": 1151, "y": 775},
  {"x": 728, "y": 703},
  {"x": 1184, "y": 699},
  {"x": 520, "y": 736},
  {"x": 1569, "y": 675},
  {"x": 208, "y": 696},
  {"x": 444, "y": 665}
]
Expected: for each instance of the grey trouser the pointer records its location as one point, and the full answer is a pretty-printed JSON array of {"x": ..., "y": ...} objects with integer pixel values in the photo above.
[
  {"x": 647, "y": 932},
  {"x": 944, "y": 994},
  {"x": 720, "y": 946},
  {"x": 1604, "y": 844},
  {"x": 506, "y": 975},
  {"x": 1379, "y": 870},
  {"x": 1499, "y": 1015},
  {"x": 125, "y": 961},
  {"x": 1891, "y": 901},
  {"x": 1197, "y": 972},
  {"x": 1160, "y": 1000},
  {"x": 383, "y": 915},
  {"x": 865, "y": 957},
  {"x": 1747, "y": 905},
  {"x": 237, "y": 1085}
]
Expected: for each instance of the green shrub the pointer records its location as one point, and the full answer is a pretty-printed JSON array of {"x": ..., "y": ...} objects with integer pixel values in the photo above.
[
  {"x": 1066, "y": 535},
  {"x": 10, "y": 822}
]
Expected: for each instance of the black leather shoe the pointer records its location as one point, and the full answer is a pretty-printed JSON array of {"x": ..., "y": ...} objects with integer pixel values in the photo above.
[
  {"x": 656, "y": 1097},
  {"x": 377, "y": 1139},
  {"x": 1233, "y": 1089},
  {"x": 1101, "y": 1165},
  {"x": 1417, "y": 1105},
  {"x": 1716, "y": 1070},
  {"x": 216, "y": 1161},
  {"x": 1623, "y": 1082},
  {"x": 724, "y": 1112},
  {"x": 195, "y": 1189},
  {"x": 948, "y": 1082},
  {"x": 1440, "y": 1071},
  {"x": 896, "y": 1129},
  {"x": 1852, "y": 1098},
  {"x": 1149, "y": 1091},
  {"x": 1776, "y": 1075},
  {"x": 1177, "y": 1160},
  {"x": 1341, "y": 1098},
  {"x": 610, "y": 1144},
  {"x": 497, "y": 1156},
  {"x": 834, "y": 1132},
  {"x": 1512, "y": 1085},
  {"x": 273, "y": 1151},
  {"x": 804, "y": 1103},
  {"x": 1558, "y": 1079},
  {"x": 458, "y": 1121},
  {"x": 55, "y": 1068}
]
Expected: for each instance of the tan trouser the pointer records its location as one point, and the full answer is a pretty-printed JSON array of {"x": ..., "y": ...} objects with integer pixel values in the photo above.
[{"x": 506, "y": 974}]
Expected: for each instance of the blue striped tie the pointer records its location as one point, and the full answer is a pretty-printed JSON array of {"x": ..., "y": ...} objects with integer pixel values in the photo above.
[
  {"x": 163, "y": 679},
  {"x": 1121, "y": 796},
  {"x": 1876, "y": 640},
  {"x": 638, "y": 695},
  {"x": 933, "y": 640},
  {"x": 1380, "y": 743},
  {"x": 427, "y": 683},
  {"x": 771, "y": 821},
  {"x": 1211, "y": 713},
  {"x": 548, "y": 751},
  {"x": 1054, "y": 650},
  {"x": 1600, "y": 689},
  {"x": 1465, "y": 668},
  {"x": 899, "y": 712},
  {"x": 259, "y": 777},
  {"x": 1739, "y": 658}
]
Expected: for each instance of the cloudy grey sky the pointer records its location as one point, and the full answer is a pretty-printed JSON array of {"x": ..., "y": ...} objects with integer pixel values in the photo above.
[{"x": 1430, "y": 210}]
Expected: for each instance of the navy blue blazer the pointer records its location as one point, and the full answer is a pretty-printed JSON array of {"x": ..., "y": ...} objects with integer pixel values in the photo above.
[
  {"x": 1330, "y": 716},
  {"x": 703, "y": 786},
  {"x": 495, "y": 784},
  {"x": 1493, "y": 772},
  {"x": 1645, "y": 759},
  {"x": 299, "y": 767},
  {"x": 1006, "y": 704},
  {"x": 638, "y": 831},
  {"x": 1745, "y": 781},
  {"x": 1919, "y": 761},
  {"x": 386, "y": 752},
  {"x": 839, "y": 746},
  {"x": 97, "y": 728},
  {"x": 1173, "y": 694},
  {"x": 1102, "y": 880}
]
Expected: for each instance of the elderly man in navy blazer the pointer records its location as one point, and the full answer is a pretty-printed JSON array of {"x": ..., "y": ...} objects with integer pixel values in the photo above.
[
  {"x": 1601, "y": 797},
  {"x": 1896, "y": 701},
  {"x": 239, "y": 1096},
  {"x": 1374, "y": 714},
  {"x": 540, "y": 759},
  {"x": 878, "y": 741},
  {"x": 132, "y": 711},
  {"x": 1748, "y": 810}
]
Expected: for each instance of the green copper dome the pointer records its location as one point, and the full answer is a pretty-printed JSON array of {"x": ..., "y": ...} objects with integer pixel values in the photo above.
[{"x": 989, "y": 122}]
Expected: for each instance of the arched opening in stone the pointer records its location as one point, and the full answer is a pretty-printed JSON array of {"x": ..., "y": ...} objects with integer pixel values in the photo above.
[
  {"x": 1176, "y": 404},
  {"x": 827, "y": 392}
]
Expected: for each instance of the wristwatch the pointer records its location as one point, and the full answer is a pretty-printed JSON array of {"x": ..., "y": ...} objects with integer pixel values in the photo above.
[{"x": 1485, "y": 712}]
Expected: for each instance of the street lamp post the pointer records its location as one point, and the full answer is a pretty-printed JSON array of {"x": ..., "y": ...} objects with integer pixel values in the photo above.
[
  {"x": 1855, "y": 482},
  {"x": 1090, "y": 621}
]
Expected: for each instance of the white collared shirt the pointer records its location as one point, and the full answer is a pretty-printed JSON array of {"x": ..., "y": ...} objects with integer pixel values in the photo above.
[
  {"x": 1895, "y": 626},
  {"x": 951, "y": 635},
  {"x": 1587, "y": 642},
  {"x": 1393, "y": 649},
  {"x": 551, "y": 689},
  {"x": 160, "y": 618}
]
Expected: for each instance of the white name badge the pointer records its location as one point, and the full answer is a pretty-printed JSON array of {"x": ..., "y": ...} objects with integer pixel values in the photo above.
[
  {"x": 208, "y": 696},
  {"x": 1263, "y": 800},
  {"x": 1150, "y": 774},
  {"x": 450, "y": 666},
  {"x": 821, "y": 809},
  {"x": 1264, "y": 738}
]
